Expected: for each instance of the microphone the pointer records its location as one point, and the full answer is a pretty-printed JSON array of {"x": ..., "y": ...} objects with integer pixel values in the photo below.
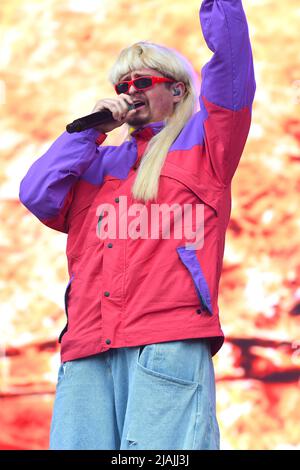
[{"x": 94, "y": 119}]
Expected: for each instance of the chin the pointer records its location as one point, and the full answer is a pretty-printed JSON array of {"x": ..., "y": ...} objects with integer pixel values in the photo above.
[
  {"x": 140, "y": 118},
  {"x": 138, "y": 121}
]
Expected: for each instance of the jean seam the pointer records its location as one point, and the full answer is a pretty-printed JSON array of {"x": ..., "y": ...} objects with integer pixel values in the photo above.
[
  {"x": 197, "y": 416},
  {"x": 107, "y": 358}
]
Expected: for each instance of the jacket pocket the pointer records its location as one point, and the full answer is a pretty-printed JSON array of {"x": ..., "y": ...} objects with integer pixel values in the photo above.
[
  {"x": 66, "y": 307},
  {"x": 168, "y": 397},
  {"x": 190, "y": 260}
]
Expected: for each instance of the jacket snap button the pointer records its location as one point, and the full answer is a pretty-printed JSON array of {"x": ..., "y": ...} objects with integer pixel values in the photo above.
[
  {"x": 198, "y": 310},
  {"x": 108, "y": 341},
  {"x": 107, "y": 294},
  {"x": 117, "y": 199},
  {"x": 110, "y": 245}
]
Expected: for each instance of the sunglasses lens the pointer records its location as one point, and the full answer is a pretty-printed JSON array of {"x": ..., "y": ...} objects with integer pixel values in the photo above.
[
  {"x": 143, "y": 82},
  {"x": 140, "y": 83},
  {"x": 122, "y": 88}
]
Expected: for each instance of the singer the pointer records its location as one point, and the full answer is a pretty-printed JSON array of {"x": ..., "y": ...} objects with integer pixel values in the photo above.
[{"x": 142, "y": 316}]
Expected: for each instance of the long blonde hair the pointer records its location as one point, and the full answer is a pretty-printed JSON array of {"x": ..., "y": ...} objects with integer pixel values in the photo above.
[{"x": 171, "y": 64}]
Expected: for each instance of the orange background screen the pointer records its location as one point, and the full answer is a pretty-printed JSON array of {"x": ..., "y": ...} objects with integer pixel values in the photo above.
[{"x": 54, "y": 62}]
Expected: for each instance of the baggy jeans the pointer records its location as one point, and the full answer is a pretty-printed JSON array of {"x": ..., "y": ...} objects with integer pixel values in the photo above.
[{"x": 159, "y": 396}]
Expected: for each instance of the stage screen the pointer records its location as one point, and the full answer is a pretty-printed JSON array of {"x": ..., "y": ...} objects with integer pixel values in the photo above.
[{"x": 54, "y": 64}]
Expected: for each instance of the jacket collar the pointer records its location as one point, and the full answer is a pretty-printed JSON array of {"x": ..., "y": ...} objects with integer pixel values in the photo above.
[{"x": 148, "y": 131}]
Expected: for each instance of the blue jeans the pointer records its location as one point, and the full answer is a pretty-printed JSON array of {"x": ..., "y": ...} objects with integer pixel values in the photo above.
[{"x": 160, "y": 396}]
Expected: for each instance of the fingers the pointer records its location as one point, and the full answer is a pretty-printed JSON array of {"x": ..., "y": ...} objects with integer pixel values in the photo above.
[
  {"x": 118, "y": 106},
  {"x": 124, "y": 102}
]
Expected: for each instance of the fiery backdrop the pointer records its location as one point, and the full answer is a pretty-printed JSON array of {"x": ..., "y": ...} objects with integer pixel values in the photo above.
[{"x": 54, "y": 61}]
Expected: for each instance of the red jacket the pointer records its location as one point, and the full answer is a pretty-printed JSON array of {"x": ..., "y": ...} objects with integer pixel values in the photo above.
[{"x": 128, "y": 292}]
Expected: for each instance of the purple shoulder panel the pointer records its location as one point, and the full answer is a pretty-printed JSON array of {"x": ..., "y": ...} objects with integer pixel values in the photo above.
[
  {"x": 117, "y": 161},
  {"x": 192, "y": 134},
  {"x": 114, "y": 161}
]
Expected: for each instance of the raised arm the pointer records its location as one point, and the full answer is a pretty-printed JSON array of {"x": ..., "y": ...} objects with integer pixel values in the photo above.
[{"x": 228, "y": 84}]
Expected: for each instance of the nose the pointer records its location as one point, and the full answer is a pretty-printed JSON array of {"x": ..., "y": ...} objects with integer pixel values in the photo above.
[{"x": 131, "y": 90}]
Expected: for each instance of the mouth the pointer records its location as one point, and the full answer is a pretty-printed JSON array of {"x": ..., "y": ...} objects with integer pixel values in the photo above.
[{"x": 139, "y": 104}]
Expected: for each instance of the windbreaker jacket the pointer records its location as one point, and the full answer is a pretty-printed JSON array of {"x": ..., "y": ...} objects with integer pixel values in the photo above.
[{"x": 127, "y": 291}]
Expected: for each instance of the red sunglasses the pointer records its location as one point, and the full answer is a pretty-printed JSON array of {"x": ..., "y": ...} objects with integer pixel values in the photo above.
[{"x": 140, "y": 83}]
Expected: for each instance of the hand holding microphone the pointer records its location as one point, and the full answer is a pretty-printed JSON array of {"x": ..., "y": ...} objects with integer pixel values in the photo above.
[{"x": 108, "y": 114}]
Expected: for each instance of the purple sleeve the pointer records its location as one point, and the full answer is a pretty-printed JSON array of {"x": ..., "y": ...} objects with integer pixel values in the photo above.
[
  {"x": 228, "y": 86},
  {"x": 228, "y": 78},
  {"x": 46, "y": 189}
]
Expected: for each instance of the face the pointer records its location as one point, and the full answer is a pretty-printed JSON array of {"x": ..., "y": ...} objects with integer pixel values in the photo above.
[{"x": 159, "y": 100}]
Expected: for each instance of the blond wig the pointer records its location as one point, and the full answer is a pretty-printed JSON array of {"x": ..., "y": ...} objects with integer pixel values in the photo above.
[{"x": 170, "y": 64}]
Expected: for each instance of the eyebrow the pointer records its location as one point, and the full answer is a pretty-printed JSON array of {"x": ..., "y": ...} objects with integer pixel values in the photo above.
[{"x": 137, "y": 75}]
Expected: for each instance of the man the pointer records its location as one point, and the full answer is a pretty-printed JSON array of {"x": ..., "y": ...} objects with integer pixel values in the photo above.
[{"x": 141, "y": 303}]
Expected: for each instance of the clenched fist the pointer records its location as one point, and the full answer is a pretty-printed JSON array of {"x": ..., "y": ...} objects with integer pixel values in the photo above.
[{"x": 119, "y": 108}]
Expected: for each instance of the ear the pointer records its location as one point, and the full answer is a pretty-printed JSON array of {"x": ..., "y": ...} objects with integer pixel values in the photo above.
[{"x": 178, "y": 91}]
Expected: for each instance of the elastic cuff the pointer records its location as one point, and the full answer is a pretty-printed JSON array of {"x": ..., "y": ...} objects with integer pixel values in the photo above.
[{"x": 101, "y": 138}]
